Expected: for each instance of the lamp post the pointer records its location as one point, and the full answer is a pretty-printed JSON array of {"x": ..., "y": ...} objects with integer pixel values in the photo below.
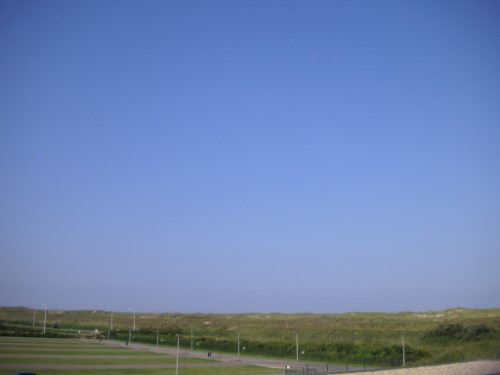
[
  {"x": 110, "y": 327},
  {"x": 403, "y": 341},
  {"x": 238, "y": 343},
  {"x": 131, "y": 309},
  {"x": 45, "y": 316},
  {"x": 177, "y": 357},
  {"x": 297, "y": 345},
  {"x": 34, "y": 317}
]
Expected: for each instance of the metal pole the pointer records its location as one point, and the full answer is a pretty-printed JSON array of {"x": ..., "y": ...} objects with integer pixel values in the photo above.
[
  {"x": 131, "y": 309},
  {"x": 177, "y": 360},
  {"x": 45, "y": 318},
  {"x": 404, "y": 359},
  {"x": 157, "y": 337},
  {"x": 297, "y": 345},
  {"x": 34, "y": 316},
  {"x": 238, "y": 342},
  {"x": 111, "y": 320},
  {"x": 191, "y": 338}
]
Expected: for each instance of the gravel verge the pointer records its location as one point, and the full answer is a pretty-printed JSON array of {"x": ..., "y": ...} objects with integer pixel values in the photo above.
[{"x": 467, "y": 368}]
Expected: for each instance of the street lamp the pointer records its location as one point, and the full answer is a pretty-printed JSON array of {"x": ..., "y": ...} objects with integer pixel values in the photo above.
[
  {"x": 177, "y": 360},
  {"x": 297, "y": 345},
  {"x": 110, "y": 330},
  {"x": 131, "y": 309},
  {"x": 45, "y": 318},
  {"x": 403, "y": 340},
  {"x": 238, "y": 338}
]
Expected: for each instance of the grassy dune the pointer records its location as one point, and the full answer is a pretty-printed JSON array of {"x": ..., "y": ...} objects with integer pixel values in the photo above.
[{"x": 374, "y": 338}]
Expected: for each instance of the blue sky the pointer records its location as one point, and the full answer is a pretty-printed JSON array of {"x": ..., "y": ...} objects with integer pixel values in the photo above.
[{"x": 250, "y": 156}]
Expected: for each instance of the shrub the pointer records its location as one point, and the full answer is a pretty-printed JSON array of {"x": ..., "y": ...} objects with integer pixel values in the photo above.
[{"x": 445, "y": 333}]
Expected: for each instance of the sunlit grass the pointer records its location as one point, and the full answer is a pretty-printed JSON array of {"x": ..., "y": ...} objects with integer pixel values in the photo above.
[
  {"x": 99, "y": 360},
  {"x": 96, "y": 354},
  {"x": 243, "y": 370}
]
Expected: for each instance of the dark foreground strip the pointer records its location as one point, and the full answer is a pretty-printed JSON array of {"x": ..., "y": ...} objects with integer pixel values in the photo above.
[{"x": 34, "y": 366}]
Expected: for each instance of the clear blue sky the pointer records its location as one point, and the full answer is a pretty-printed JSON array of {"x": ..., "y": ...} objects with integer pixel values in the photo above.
[{"x": 250, "y": 156}]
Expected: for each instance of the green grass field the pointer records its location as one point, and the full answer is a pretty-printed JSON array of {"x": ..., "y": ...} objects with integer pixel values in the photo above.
[
  {"x": 247, "y": 370},
  {"x": 40, "y": 351}
]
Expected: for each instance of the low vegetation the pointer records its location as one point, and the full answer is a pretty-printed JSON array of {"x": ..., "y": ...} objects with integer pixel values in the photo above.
[
  {"x": 457, "y": 332},
  {"x": 373, "y": 339}
]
